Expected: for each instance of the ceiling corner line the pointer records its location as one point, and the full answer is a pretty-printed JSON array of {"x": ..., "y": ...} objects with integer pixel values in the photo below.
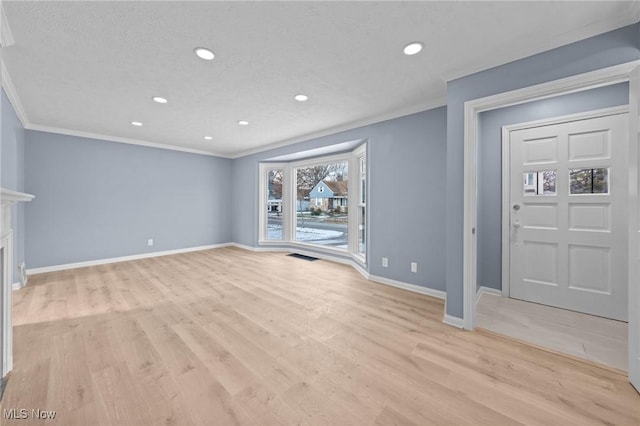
[
  {"x": 6, "y": 37},
  {"x": 12, "y": 94}
]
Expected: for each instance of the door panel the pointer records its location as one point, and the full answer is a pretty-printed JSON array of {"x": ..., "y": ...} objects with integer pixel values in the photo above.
[
  {"x": 589, "y": 146},
  {"x": 569, "y": 229},
  {"x": 590, "y": 217}
]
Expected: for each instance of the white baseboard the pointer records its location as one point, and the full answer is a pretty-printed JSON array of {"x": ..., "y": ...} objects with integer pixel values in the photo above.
[
  {"x": 287, "y": 249},
  {"x": 17, "y": 285},
  {"x": 54, "y": 268},
  {"x": 258, "y": 249},
  {"x": 453, "y": 321},
  {"x": 322, "y": 256},
  {"x": 487, "y": 290},
  {"x": 360, "y": 269},
  {"x": 244, "y": 247},
  {"x": 411, "y": 287},
  {"x": 398, "y": 284}
]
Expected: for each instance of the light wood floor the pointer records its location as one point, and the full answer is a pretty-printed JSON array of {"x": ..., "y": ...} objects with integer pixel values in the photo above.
[
  {"x": 593, "y": 338},
  {"x": 228, "y": 336}
]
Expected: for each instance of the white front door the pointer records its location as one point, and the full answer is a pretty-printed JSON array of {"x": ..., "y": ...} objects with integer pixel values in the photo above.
[{"x": 569, "y": 217}]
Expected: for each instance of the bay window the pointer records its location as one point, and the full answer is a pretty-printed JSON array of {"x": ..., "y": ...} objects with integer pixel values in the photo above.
[{"x": 318, "y": 203}]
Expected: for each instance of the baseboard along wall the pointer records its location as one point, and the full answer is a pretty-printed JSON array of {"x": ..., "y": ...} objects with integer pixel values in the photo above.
[{"x": 35, "y": 271}]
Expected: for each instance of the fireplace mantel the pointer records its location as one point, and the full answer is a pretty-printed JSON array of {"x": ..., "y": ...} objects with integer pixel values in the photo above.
[
  {"x": 7, "y": 199},
  {"x": 9, "y": 196}
]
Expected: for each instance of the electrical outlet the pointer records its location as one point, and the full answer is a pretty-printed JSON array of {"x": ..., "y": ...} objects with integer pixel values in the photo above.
[
  {"x": 150, "y": 242},
  {"x": 385, "y": 262},
  {"x": 414, "y": 267}
]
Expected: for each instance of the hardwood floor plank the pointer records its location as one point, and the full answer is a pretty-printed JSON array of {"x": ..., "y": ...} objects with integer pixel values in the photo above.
[
  {"x": 222, "y": 365},
  {"x": 273, "y": 373},
  {"x": 263, "y": 407},
  {"x": 117, "y": 398},
  {"x": 390, "y": 417}
]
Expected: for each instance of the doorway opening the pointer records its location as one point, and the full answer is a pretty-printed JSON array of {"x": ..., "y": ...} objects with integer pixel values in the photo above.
[
  {"x": 564, "y": 236},
  {"x": 628, "y": 72}
]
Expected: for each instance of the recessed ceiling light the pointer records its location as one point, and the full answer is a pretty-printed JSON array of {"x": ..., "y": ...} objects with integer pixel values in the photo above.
[
  {"x": 159, "y": 100},
  {"x": 208, "y": 138},
  {"x": 300, "y": 98},
  {"x": 204, "y": 53},
  {"x": 243, "y": 122},
  {"x": 136, "y": 123},
  {"x": 413, "y": 48}
]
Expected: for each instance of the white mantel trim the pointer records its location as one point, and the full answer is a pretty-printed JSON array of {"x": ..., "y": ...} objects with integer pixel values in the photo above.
[
  {"x": 7, "y": 199},
  {"x": 9, "y": 196}
]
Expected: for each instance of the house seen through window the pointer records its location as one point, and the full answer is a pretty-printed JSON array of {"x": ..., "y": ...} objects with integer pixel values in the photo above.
[{"x": 322, "y": 204}]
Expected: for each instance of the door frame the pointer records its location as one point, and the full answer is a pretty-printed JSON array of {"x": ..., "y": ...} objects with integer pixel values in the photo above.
[
  {"x": 506, "y": 173},
  {"x": 604, "y": 77}
]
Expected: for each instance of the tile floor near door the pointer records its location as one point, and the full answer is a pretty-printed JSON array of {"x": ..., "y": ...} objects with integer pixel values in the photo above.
[{"x": 593, "y": 338}]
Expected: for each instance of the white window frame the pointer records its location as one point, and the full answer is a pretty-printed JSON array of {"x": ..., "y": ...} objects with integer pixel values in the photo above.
[
  {"x": 289, "y": 191},
  {"x": 354, "y": 223},
  {"x": 262, "y": 215}
]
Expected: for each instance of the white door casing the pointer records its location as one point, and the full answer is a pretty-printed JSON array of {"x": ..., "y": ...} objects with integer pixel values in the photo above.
[
  {"x": 569, "y": 240},
  {"x": 634, "y": 228}
]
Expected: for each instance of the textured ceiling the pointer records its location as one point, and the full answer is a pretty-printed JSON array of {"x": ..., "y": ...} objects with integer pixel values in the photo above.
[{"x": 93, "y": 67}]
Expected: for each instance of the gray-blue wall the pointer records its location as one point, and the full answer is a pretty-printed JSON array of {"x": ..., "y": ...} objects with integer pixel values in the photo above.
[
  {"x": 12, "y": 174},
  {"x": 97, "y": 199},
  {"x": 490, "y": 163},
  {"x": 594, "y": 53},
  {"x": 406, "y": 164}
]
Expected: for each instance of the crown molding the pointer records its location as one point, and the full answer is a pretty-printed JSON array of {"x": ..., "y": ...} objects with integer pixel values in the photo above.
[
  {"x": 130, "y": 141},
  {"x": 435, "y": 103},
  {"x": 6, "y": 38},
  {"x": 10, "y": 90}
]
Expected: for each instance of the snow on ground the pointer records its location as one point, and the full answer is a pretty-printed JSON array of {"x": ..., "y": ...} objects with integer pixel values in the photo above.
[
  {"x": 310, "y": 234},
  {"x": 274, "y": 232}
]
